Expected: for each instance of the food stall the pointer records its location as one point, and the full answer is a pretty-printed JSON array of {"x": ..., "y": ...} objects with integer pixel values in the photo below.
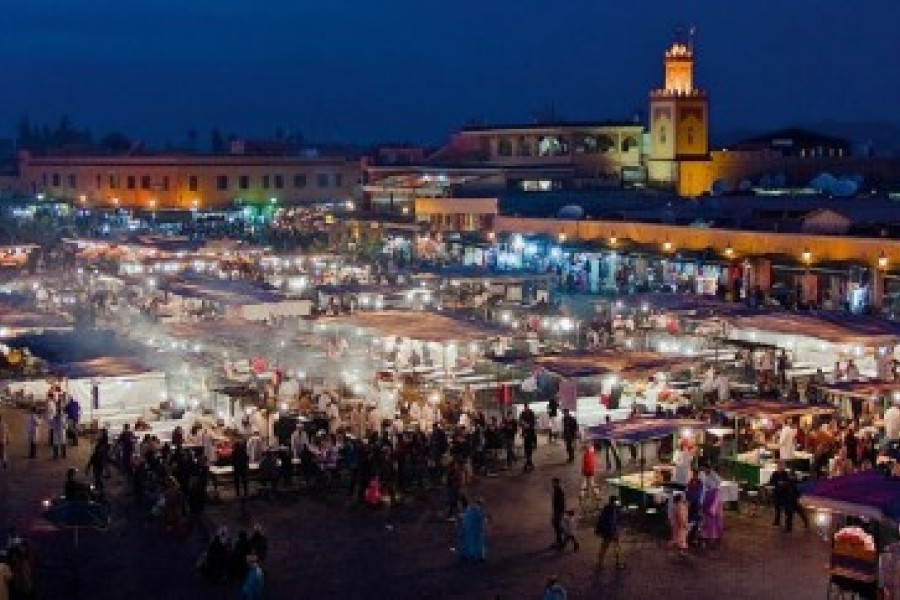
[
  {"x": 755, "y": 465},
  {"x": 649, "y": 487},
  {"x": 858, "y": 397},
  {"x": 858, "y": 514},
  {"x": 616, "y": 384}
]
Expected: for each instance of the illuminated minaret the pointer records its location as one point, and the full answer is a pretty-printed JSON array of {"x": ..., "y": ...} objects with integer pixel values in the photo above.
[{"x": 679, "y": 113}]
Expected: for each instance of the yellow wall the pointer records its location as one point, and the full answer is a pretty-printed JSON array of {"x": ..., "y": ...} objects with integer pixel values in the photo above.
[
  {"x": 51, "y": 176},
  {"x": 744, "y": 243}
]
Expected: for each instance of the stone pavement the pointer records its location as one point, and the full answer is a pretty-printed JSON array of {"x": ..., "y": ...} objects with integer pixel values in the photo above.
[{"x": 327, "y": 547}]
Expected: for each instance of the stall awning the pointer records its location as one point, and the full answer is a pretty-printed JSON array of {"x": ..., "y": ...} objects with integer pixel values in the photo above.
[
  {"x": 635, "y": 431},
  {"x": 861, "y": 389},
  {"x": 749, "y": 409},
  {"x": 868, "y": 494},
  {"x": 836, "y": 328},
  {"x": 633, "y": 364}
]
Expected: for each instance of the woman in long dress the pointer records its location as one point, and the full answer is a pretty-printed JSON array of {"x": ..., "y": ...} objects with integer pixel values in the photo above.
[
  {"x": 473, "y": 544},
  {"x": 713, "y": 524}
]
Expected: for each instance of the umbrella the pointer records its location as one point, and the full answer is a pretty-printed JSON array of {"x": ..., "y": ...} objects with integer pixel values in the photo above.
[{"x": 78, "y": 514}]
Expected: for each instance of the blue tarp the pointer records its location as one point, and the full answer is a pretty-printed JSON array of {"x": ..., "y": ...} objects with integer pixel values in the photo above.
[
  {"x": 869, "y": 494},
  {"x": 636, "y": 431}
]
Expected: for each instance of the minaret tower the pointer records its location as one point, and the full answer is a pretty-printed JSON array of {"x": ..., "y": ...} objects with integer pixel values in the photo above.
[{"x": 679, "y": 116}]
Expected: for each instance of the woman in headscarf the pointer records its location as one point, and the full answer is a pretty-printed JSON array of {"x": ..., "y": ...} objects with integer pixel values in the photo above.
[
  {"x": 713, "y": 523},
  {"x": 473, "y": 546}
]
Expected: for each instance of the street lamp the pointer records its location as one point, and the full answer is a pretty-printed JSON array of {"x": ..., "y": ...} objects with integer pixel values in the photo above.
[
  {"x": 561, "y": 237},
  {"x": 806, "y": 256},
  {"x": 883, "y": 261},
  {"x": 667, "y": 246},
  {"x": 729, "y": 251},
  {"x": 613, "y": 240}
]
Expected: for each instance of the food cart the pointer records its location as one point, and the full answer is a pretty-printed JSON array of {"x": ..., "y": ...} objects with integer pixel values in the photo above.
[{"x": 858, "y": 514}]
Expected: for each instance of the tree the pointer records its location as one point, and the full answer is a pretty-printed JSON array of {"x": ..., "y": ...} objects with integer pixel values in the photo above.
[
  {"x": 216, "y": 142},
  {"x": 115, "y": 142}
]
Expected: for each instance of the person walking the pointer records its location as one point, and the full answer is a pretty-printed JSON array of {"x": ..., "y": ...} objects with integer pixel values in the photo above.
[
  {"x": 33, "y": 429},
  {"x": 558, "y": 509},
  {"x": 73, "y": 414},
  {"x": 608, "y": 529},
  {"x": 4, "y": 442},
  {"x": 529, "y": 437},
  {"x": 570, "y": 434},
  {"x": 252, "y": 588},
  {"x": 792, "y": 504},
  {"x": 241, "y": 464},
  {"x": 678, "y": 520},
  {"x": 554, "y": 590},
  {"x": 568, "y": 530},
  {"x": 58, "y": 434}
]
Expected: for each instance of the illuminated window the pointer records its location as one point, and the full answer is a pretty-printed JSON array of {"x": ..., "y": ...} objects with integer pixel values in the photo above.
[
  {"x": 222, "y": 182},
  {"x": 244, "y": 182},
  {"x": 300, "y": 180}
]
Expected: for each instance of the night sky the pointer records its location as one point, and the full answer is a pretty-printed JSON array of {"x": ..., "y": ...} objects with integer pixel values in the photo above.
[{"x": 393, "y": 70}]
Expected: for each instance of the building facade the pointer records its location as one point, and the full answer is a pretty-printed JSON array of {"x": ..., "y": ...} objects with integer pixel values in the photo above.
[{"x": 170, "y": 181}]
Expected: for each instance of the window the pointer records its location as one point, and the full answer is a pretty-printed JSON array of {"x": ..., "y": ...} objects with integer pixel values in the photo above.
[
  {"x": 129, "y": 182},
  {"x": 279, "y": 182},
  {"x": 338, "y": 180},
  {"x": 244, "y": 182},
  {"x": 165, "y": 183},
  {"x": 300, "y": 181},
  {"x": 192, "y": 183},
  {"x": 44, "y": 179},
  {"x": 56, "y": 180},
  {"x": 222, "y": 182},
  {"x": 322, "y": 180},
  {"x": 113, "y": 181},
  {"x": 662, "y": 135},
  {"x": 99, "y": 181},
  {"x": 265, "y": 182},
  {"x": 145, "y": 182},
  {"x": 73, "y": 181},
  {"x": 690, "y": 136},
  {"x": 504, "y": 147}
]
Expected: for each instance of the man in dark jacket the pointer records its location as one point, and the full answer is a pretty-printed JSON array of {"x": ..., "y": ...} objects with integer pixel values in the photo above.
[
  {"x": 778, "y": 482},
  {"x": 558, "y": 507},
  {"x": 569, "y": 433},
  {"x": 608, "y": 530}
]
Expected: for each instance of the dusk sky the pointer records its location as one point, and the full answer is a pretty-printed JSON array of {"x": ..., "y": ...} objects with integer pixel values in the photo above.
[{"x": 346, "y": 70}]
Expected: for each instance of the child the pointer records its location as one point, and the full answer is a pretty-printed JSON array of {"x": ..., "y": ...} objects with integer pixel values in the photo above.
[{"x": 568, "y": 530}]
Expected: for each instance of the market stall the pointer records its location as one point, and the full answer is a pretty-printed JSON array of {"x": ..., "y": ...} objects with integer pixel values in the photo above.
[
  {"x": 648, "y": 487},
  {"x": 756, "y": 463},
  {"x": 615, "y": 384}
]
